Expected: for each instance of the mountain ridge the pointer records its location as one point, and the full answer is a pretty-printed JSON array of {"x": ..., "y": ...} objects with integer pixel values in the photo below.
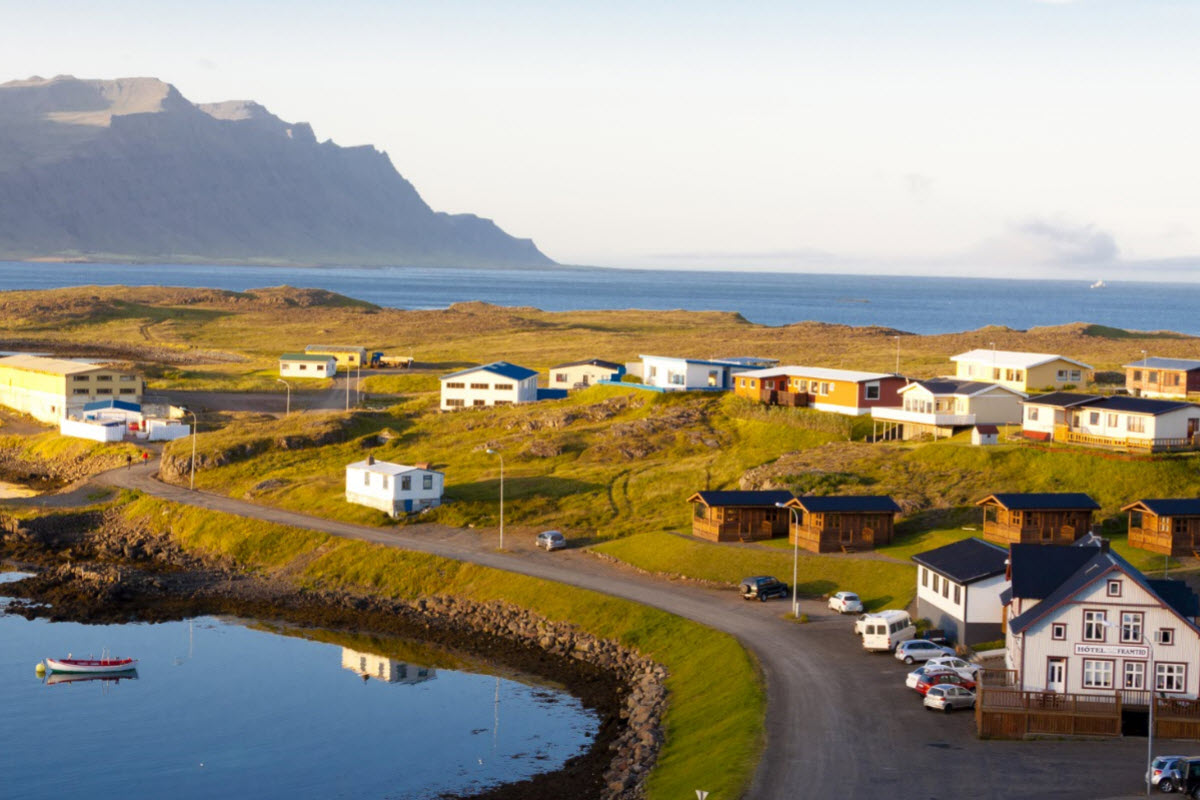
[{"x": 131, "y": 169}]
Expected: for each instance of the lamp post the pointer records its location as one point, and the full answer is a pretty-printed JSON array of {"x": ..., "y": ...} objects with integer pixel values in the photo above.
[
  {"x": 288, "y": 409},
  {"x": 498, "y": 455},
  {"x": 192, "y": 484},
  {"x": 1150, "y": 680},
  {"x": 793, "y": 517},
  {"x": 897, "y": 338}
]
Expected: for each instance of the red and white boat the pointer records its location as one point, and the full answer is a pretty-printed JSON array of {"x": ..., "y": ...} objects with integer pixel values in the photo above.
[{"x": 90, "y": 665}]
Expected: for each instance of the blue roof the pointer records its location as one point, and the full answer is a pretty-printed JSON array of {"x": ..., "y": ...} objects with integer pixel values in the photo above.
[
  {"x": 1169, "y": 507},
  {"x": 1044, "y": 501},
  {"x": 965, "y": 562},
  {"x": 121, "y": 405},
  {"x": 741, "y": 498},
  {"x": 847, "y": 503},
  {"x": 501, "y": 368}
]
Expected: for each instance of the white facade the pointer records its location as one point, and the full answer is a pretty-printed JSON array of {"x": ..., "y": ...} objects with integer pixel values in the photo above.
[
  {"x": 1114, "y": 424},
  {"x": 393, "y": 488},
  {"x": 690, "y": 374},
  {"x": 580, "y": 375},
  {"x": 969, "y": 613},
  {"x": 96, "y": 431},
  {"x": 382, "y": 668},
  {"x": 490, "y": 385},
  {"x": 166, "y": 430},
  {"x": 299, "y": 365}
]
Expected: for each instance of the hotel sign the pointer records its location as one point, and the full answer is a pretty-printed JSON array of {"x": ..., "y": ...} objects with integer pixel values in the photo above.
[{"x": 1119, "y": 650}]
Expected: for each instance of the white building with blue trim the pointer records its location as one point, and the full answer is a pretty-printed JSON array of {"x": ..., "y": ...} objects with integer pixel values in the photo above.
[{"x": 497, "y": 384}]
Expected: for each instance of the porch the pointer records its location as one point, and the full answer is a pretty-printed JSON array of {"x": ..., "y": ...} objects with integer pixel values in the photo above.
[{"x": 1067, "y": 436}]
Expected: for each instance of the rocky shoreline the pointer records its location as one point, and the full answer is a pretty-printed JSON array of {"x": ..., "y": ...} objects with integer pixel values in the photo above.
[{"x": 96, "y": 568}]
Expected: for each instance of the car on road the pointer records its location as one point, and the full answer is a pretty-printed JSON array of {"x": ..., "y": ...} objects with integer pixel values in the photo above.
[
  {"x": 924, "y": 671},
  {"x": 551, "y": 540},
  {"x": 762, "y": 587},
  {"x": 920, "y": 650},
  {"x": 1167, "y": 773},
  {"x": 939, "y": 678},
  {"x": 947, "y": 697},
  {"x": 961, "y": 666},
  {"x": 846, "y": 603}
]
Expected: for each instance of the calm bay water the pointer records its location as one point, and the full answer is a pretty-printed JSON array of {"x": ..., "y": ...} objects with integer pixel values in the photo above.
[
  {"x": 917, "y": 304},
  {"x": 219, "y": 709}
]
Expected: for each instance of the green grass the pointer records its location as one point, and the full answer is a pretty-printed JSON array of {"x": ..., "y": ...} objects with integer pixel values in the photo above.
[
  {"x": 880, "y": 583},
  {"x": 716, "y": 699},
  {"x": 408, "y": 383}
]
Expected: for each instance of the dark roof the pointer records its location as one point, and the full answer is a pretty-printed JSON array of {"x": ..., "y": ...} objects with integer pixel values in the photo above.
[
  {"x": 97, "y": 405},
  {"x": 551, "y": 394},
  {"x": 1173, "y": 507},
  {"x": 502, "y": 368},
  {"x": 1187, "y": 365},
  {"x": 594, "y": 362},
  {"x": 1140, "y": 405},
  {"x": 992, "y": 429},
  {"x": 954, "y": 386},
  {"x": 1038, "y": 569},
  {"x": 1062, "y": 399},
  {"x": 1043, "y": 501},
  {"x": 1178, "y": 595},
  {"x": 836, "y": 503},
  {"x": 739, "y": 498},
  {"x": 965, "y": 562}
]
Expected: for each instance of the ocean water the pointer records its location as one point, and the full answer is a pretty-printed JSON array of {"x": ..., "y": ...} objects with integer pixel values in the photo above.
[{"x": 917, "y": 304}]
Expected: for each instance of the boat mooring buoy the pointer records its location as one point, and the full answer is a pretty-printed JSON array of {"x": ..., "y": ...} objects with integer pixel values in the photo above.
[{"x": 40, "y": 669}]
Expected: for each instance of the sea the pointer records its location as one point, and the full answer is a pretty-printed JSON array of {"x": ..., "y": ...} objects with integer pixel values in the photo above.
[{"x": 915, "y": 304}]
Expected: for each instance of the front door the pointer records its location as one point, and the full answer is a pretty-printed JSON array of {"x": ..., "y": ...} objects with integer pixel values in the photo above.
[
  {"x": 1193, "y": 428},
  {"x": 1056, "y": 675}
]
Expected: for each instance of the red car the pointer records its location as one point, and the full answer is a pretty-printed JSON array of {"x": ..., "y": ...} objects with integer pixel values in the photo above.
[{"x": 949, "y": 676}]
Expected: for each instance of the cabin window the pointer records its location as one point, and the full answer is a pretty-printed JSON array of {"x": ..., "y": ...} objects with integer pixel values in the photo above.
[
  {"x": 925, "y": 577},
  {"x": 302, "y": 367},
  {"x": 957, "y": 594},
  {"x": 1170, "y": 677},
  {"x": 654, "y": 372},
  {"x": 405, "y": 483},
  {"x": 1131, "y": 626},
  {"x": 1135, "y": 424},
  {"x": 1137, "y": 374},
  {"x": 677, "y": 379},
  {"x": 996, "y": 374},
  {"x": 1093, "y": 626},
  {"x": 1175, "y": 379},
  {"x": 742, "y": 382},
  {"x": 1180, "y": 525},
  {"x": 937, "y": 583},
  {"x": 1015, "y": 517},
  {"x": 427, "y": 482},
  {"x": 872, "y": 391},
  {"x": 560, "y": 377},
  {"x": 1152, "y": 376},
  {"x": 825, "y": 388},
  {"x": 1058, "y": 630},
  {"x": 714, "y": 378},
  {"x": 455, "y": 402},
  {"x": 366, "y": 479},
  {"x": 383, "y": 481},
  {"x": 1093, "y": 418},
  {"x": 1097, "y": 673},
  {"x": 1114, "y": 588},
  {"x": 1135, "y": 519},
  {"x": 700, "y": 511},
  {"x": 1135, "y": 675},
  {"x": 802, "y": 386},
  {"x": 990, "y": 513},
  {"x": 478, "y": 403},
  {"x": 1032, "y": 413},
  {"x": 1112, "y": 420},
  {"x": 479, "y": 386},
  {"x": 455, "y": 385},
  {"x": 1164, "y": 636}
]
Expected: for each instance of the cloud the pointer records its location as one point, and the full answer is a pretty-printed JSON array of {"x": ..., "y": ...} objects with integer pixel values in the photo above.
[{"x": 1048, "y": 242}]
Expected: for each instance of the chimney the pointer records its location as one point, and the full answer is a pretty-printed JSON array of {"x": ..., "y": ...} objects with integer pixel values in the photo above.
[{"x": 370, "y": 460}]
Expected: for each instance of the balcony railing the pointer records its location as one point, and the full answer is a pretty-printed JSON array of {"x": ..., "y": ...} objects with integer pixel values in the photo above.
[
  {"x": 895, "y": 414},
  {"x": 1067, "y": 436}
]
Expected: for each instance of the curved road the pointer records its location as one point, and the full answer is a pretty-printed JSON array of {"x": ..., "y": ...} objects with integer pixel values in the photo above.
[{"x": 840, "y": 722}]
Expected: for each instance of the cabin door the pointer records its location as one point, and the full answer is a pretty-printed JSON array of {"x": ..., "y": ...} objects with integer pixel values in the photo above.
[
  {"x": 1193, "y": 428},
  {"x": 1056, "y": 675}
]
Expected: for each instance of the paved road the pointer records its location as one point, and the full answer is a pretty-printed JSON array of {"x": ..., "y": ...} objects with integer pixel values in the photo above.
[{"x": 840, "y": 723}]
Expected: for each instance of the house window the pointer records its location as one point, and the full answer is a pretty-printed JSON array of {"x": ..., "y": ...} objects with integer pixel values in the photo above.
[
  {"x": 502, "y": 387},
  {"x": 996, "y": 374},
  {"x": 128, "y": 391},
  {"x": 1032, "y": 414},
  {"x": 1114, "y": 588},
  {"x": 1058, "y": 630},
  {"x": 654, "y": 372},
  {"x": 1135, "y": 519},
  {"x": 677, "y": 379},
  {"x": 937, "y": 583},
  {"x": 1137, "y": 374},
  {"x": 872, "y": 391},
  {"x": 1170, "y": 677},
  {"x": 479, "y": 386},
  {"x": 503, "y": 403},
  {"x": 478, "y": 403},
  {"x": 455, "y": 385},
  {"x": 803, "y": 386},
  {"x": 302, "y": 366},
  {"x": 1131, "y": 626},
  {"x": 107, "y": 378},
  {"x": 125, "y": 378},
  {"x": 1164, "y": 636},
  {"x": 1076, "y": 375},
  {"x": 83, "y": 377},
  {"x": 427, "y": 482},
  {"x": 454, "y": 402},
  {"x": 1175, "y": 379},
  {"x": 1180, "y": 525},
  {"x": 405, "y": 483},
  {"x": 714, "y": 377},
  {"x": 383, "y": 479},
  {"x": 1111, "y": 420},
  {"x": 925, "y": 577},
  {"x": 990, "y": 513},
  {"x": 824, "y": 388},
  {"x": 1093, "y": 418},
  {"x": 1135, "y": 675},
  {"x": 1093, "y": 626},
  {"x": 1097, "y": 674},
  {"x": 366, "y": 479},
  {"x": 957, "y": 594},
  {"x": 1152, "y": 376},
  {"x": 945, "y": 588},
  {"x": 104, "y": 391},
  {"x": 742, "y": 382},
  {"x": 560, "y": 377},
  {"x": 79, "y": 391},
  {"x": 1135, "y": 424}
]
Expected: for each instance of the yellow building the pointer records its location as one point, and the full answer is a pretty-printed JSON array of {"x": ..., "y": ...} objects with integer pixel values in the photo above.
[
  {"x": 347, "y": 355},
  {"x": 52, "y": 388},
  {"x": 1022, "y": 372}
]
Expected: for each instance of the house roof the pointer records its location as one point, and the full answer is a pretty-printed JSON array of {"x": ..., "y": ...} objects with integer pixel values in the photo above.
[
  {"x": 324, "y": 358},
  {"x": 1184, "y": 364},
  {"x": 51, "y": 366},
  {"x": 1141, "y": 405},
  {"x": 965, "y": 562},
  {"x": 594, "y": 362},
  {"x": 768, "y": 497},
  {"x": 1061, "y": 399},
  {"x": 954, "y": 386},
  {"x": 1013, "y": 359},
  {"x": 846, "y": 503},
  {"x": 1168, "y": 507},
  {"x": 740, "y": 361},
  {"x": 987, "y": 429},
  {"x": 820, "y": 373},
  {"x": 501, "y": 368},
  {"x": 121, "y": 405},
  {"x": 1041, "y": 502},
  {"x": 1096, "y": 563},
  {"x": 386, "y": 467},
  {"x": 334, "y": 348}
]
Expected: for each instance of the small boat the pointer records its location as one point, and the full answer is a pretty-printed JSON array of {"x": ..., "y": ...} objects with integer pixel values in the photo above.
[
  {"x": 1100, "y": 284},
  {"x": 90, "y": 665}
]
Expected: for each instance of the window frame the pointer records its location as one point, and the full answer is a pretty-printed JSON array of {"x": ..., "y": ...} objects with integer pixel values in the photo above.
[{"x": 1094, "y": 620}]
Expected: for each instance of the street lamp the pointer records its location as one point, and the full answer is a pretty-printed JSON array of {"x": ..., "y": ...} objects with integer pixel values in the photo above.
[
  {"x": 192, "y": 485},
  {"x": 496, "y": 453},
  {"x": 1151, "y": 681},
  {"x": 795, "y": 531},
  {"x": 289, "y": 396},
  {"x": 897, "y": 338}
]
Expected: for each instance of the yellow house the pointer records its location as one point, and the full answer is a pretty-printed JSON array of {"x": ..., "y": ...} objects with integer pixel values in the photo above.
[
  {"x": 1022, "y": 372},
  {"x": 51, "y": 388},
  {"x": 347, "y": 355}
]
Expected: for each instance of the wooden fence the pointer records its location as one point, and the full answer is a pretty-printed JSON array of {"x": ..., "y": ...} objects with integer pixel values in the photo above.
[{"x": 1134, "y": 444}]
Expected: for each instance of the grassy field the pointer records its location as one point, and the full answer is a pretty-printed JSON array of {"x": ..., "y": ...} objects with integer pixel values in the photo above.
[{"x": 716, "y": 700}]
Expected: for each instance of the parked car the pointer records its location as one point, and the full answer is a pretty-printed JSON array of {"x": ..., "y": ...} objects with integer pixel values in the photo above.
[
  {"x": 762, "y": 587},
  {"x": 961, "y": 666},
  {"x": 860, "y": 624},
  {"x": 943, "y": 678},
  {"x": 921, "y": 650},
  {"x": 551, "y": 540},
  {"x": 883, "y": 630},
  {"x": 947, "y": 697},
  {"x": 846, "y": 603},
  {"x": 924, "y": 671},
  {"x": 1190, "y": 778}
]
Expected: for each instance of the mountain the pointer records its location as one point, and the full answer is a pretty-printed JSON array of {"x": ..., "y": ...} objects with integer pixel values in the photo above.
[{"x": 130, "y": 169}]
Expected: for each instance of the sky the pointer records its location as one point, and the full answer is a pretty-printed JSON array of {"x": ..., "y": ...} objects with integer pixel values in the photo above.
[{"x": 992, "y": 138}]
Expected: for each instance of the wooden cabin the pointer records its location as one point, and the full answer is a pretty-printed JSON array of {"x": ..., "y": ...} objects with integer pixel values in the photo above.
[
  {"x": 1170, "y": 527},
  {"x": 843, "y": 524},
  {"x": 1037, "y": 518},
  {"x": 737, "y": 516}
]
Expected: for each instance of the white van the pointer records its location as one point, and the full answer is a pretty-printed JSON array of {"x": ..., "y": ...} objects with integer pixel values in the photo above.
[{"x": 886, "y": 629}]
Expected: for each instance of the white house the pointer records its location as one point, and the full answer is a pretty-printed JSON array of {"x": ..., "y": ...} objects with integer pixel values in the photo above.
[
  {"x": 1116, "y": 420},
  {"x": 959, "y": 588},
  {"x": 497, "y": 384},
  {"x": 944, "y": 406},
  {"x": 1021, "y": 371},
  {"x": 695, "y": 374},
  {"x": 1082, "y": 620},
  {"x": 394, "y": 488},
  {"x": 382, "y": 668},
  {"x": 581, "y": 374},
  {"x": 307, "y": 365}
]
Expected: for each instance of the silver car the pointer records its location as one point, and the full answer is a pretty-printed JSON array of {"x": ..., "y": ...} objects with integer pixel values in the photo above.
[
  {"x": 920, "y": 650},
  {"x": 947, "y": 697},
  {"x": 551, "y": 540},
  {"x": 1166, "y": 772}
]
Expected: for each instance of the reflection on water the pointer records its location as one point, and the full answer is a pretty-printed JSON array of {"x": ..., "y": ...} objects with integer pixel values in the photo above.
[
  {"x": 385, "y": 669},
  {"x": 105, "y": 680}
]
